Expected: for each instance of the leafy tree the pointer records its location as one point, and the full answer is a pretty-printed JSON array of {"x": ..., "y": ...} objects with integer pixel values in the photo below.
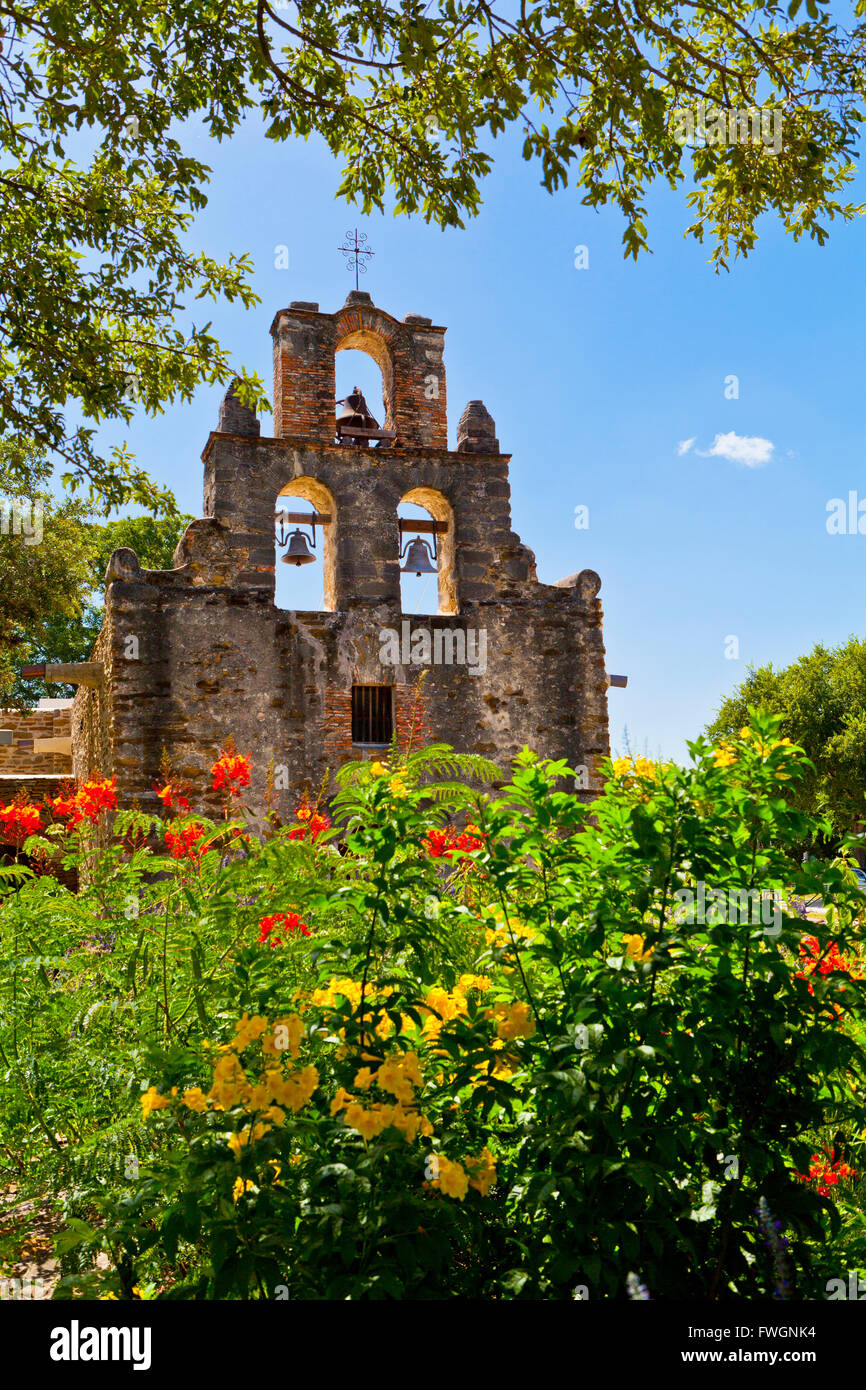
[
  {"x": 99, "y": 188},
  {"x": 822, "y": 700},
  {"x": 52, "y": 568}
]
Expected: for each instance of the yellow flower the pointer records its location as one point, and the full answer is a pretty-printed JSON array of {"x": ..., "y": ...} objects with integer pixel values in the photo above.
[
  {"x": 230, "y": 1086},
  {"x": 397, "y": 787},
  {"x": 297, "y": 1089},
  {"x": 378, "y": 769},
  {"x": 246, "y": 1136},
  {"x": 368, "y": 1123},
  {"x": 152, "y": 1100},
  {"x": 745, "y": 732},
  {"x": 407, "y": 1121},
  {"x": 412, "y": 1069},
  {"x": 391, "y": 1078},
  {"x": 621, "y": 767},
  {"x": 723, "y": 756},
  {"x": 384, "y": 1028},
  {"x": 452, "y": 1180},
  {"x": 513, "y": 1020},
  {"x": 363, "y": 1080},
  {"x": 342, "y": 1099},
  {"x": 247, "y": 1030},
  {"x": 194, "y": 1098},
  {"x": 284, "y": 1036},
  {"x": 481, "y": 982},
  {"x": 634, "y": 948},
  {"x": 259, "y": 1097},
  {"x": 482, "y": 1170},
  {"x": 350, "y": 989},
  {"x": 241, "y": 1186}
]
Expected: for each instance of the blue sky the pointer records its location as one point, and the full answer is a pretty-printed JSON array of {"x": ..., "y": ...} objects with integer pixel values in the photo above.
[{"x": 594, "y": 378}]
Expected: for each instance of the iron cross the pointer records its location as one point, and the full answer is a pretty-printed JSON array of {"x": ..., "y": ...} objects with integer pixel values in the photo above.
[{"x": 356, "y": 249}]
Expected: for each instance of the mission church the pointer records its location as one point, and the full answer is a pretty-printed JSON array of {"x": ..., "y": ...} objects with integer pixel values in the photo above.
[{"x": 192, "y": 655}]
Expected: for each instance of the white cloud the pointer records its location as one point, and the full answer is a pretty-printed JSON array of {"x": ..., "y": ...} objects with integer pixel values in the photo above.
[
  {"x": 685, "y": 444},
  {"x": 748, "y": 449}
]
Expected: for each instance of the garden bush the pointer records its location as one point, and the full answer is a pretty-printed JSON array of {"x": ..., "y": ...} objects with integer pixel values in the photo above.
[{"x": 443, "y": 1038}]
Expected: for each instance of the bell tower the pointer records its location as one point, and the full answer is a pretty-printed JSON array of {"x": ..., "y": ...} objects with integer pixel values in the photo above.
[
  {"x": 507, "y": 661},
  {"x": 409, "y": 355}
]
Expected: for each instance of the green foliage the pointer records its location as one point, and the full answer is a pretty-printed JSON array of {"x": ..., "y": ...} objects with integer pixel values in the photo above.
[
  {"x": 53, "y": 589},
  {"x": 821, "y": 699},
  {"x": 515, "y": 1064},
  {"x": 100, "y": 188}
]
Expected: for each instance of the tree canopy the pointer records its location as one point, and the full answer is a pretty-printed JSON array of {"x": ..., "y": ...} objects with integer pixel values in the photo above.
[
  {"x": 822, "y": 698},
  {"x": 97, "y": 102}
]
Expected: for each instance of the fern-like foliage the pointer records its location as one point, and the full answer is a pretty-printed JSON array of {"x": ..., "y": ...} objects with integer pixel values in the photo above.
[{"x": 448, "y": 779}]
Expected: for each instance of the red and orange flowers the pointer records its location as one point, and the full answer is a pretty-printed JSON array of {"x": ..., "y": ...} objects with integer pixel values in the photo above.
[
  {"x": 444, "y": 844},
  {"x": 172, "y": 798},
  {"x": 230, "y": 772},
  {"x": 273, "y": 929},
  {"x": 185, "y": 843},
  {"x": 315, "y": 824},
  {"x": 823, "y": 960},
  {"x": 88, "y": 802},
  {"x": 19, "y": 819},
  {"x": 825, "y": 1172}
]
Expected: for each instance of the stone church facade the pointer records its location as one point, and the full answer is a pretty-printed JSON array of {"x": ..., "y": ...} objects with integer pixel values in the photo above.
[{"x": 191, "y": 655}]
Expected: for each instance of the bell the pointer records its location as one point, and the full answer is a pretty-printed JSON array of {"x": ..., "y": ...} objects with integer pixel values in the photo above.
[
  {"x": 418, "y": 558},
  {"x": 298, "y": 552},
  {"x": 356, "y": 412}
]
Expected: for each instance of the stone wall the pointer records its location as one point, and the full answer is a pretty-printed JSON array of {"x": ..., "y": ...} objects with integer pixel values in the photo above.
[{"x": 42, "y": 722}]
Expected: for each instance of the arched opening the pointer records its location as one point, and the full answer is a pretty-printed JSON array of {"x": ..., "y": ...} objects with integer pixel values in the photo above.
[
  {"x": 310, "y": 587},
  {"x": 432, "y": 593},
  {"x": 363, "y": 361}
]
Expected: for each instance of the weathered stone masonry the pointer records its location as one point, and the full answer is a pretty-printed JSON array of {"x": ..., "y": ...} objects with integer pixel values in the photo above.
[{"x": 213, "y": 656}]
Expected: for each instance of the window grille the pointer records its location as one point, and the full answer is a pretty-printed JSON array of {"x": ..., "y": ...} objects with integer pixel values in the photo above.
[{"x": 372, "y": 715}]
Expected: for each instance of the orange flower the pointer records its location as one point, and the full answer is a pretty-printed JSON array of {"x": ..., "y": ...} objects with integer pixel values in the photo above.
[
  {"x": 20, "y": 819},
  {"x": 172, "y": 798},
  {"x": 825, "y": 1172},
  {"x": 317, "y": 824},
  {"x": 286, "y": 922},
  {"x": 184, "y": 844},
  {"x": 444, "y": 844},
  {"x": 231, "y": 771},
  {"x": 93, "y": 797}
]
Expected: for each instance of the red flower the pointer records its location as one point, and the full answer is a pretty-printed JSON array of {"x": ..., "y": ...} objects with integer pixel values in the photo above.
[
  {"x": 231, "y": 771},
  {"x": 19, "y": 820},
  {"x": 444, "y": 844},
  {"x": 171, "y": 797},
  {"x": 317, "y": 824},
  {"x": 811, "y": 960},
  {"x": 825, "y": 1172},
  {"x": 184, "y": 843},
  {"x": 291, "y": 923}
]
